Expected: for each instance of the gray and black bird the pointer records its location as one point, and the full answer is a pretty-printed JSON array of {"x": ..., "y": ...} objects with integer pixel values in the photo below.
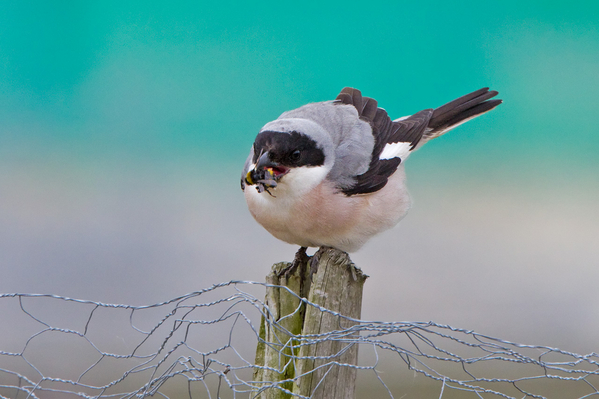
[{"x": 331, "y": 174}]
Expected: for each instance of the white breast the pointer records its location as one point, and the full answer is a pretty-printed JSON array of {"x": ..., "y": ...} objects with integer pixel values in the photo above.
[{"x": 312, "y": 213}]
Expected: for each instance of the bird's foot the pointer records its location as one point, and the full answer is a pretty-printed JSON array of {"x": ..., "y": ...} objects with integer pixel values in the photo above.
[{"x": 301, "y": 258}]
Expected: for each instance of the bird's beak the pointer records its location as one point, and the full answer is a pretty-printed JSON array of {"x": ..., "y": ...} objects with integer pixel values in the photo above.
[
  {"x": 265, "y": 162},
  {"x": 265, "y": 173}
]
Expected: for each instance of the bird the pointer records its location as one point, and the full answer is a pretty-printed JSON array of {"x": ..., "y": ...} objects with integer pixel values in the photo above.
[{"x": 331, "y": 174}]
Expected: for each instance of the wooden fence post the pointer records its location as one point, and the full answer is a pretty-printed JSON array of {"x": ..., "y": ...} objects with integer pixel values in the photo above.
[{"x": 337, "y": 286}]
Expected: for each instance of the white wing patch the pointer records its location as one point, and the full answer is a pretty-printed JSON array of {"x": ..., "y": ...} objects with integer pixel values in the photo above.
[{"x": 396, "y": 150}]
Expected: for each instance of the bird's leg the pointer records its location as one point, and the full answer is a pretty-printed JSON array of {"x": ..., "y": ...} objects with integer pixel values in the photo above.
[{"x": 301, "y": 258}]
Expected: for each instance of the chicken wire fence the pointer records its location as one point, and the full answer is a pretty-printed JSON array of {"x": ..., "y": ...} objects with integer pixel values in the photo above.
[{"x": 202, "y": 345}]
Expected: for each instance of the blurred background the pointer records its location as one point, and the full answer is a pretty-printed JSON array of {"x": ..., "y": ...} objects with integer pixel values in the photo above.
[{"x": 124, "y": 128}]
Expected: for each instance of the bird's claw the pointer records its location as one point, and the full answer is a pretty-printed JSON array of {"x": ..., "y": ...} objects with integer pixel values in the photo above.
[{"x": 301, "y": 258}]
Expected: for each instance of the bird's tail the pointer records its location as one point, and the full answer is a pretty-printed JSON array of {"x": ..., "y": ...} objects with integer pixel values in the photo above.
[{"x": 458, "y": 111}]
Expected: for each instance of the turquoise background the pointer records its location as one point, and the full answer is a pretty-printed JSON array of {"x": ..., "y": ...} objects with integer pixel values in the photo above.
[
  {"x": 98, "y": 83},
  {"x": 124, "y": 127}
]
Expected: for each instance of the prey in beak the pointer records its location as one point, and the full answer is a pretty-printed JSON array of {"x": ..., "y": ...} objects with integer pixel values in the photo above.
[{"x": 265, "y": 174}]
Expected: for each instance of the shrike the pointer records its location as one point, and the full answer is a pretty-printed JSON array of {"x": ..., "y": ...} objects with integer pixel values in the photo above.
[{"x": 331, "y": 174}]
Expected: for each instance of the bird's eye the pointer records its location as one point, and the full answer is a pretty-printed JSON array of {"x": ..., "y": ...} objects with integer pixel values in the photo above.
[{"x": 295, "y": 155}]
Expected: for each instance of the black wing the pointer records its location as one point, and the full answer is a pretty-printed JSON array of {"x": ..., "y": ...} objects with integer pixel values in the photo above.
[{"x": 385, "y": 131}]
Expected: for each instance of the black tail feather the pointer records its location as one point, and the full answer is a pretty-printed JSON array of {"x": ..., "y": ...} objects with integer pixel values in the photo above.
[{"x": 461, "y": 109}]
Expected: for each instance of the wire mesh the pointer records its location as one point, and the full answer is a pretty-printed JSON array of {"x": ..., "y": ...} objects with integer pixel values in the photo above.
[{"x": 202, "y": 345}]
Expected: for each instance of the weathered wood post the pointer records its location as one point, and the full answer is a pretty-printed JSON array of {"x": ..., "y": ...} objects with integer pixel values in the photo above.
[{"x": 296, "y": 366}]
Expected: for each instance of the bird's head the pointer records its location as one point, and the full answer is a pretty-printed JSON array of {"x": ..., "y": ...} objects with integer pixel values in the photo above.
[{"x": 288, "y": 157}]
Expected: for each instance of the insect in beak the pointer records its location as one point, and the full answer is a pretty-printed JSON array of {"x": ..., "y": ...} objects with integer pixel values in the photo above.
[{"x": 265, "y": 174}]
